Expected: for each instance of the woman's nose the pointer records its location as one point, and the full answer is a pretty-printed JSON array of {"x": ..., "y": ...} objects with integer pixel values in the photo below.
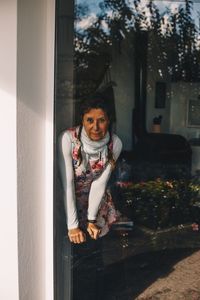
[{"x": 96, "y": 126}]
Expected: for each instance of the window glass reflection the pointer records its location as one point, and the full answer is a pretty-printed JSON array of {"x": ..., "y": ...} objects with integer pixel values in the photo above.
[{"x": 144, "y": 57}]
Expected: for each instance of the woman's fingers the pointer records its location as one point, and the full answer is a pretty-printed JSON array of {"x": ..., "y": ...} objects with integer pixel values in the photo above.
[
  {"x": 77, "y": 239},
  {"x": 89, "y": 231},
  {"x": 97, "y": 233},
  {"x": 76, "y": 236},
  {"x": 93, "y": 231},
  {"x": 82, "y": 237},
  {"x": 70, "y": 238}
]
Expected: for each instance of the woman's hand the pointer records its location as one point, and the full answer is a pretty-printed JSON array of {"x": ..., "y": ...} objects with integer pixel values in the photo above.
[
  {"x": 76, "y": 236},
  {"x": 93, "y": 230}
]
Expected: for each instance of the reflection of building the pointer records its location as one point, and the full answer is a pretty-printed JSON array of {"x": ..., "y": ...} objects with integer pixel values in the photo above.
[{"x": 159, "y": 52}]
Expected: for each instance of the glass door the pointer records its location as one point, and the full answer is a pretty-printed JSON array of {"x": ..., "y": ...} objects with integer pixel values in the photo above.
[{"x": 143, "y": 58}]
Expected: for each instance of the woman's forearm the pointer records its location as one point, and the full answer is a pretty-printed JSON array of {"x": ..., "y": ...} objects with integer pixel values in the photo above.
[
  {"x": 97, "y": 191},
  {"x": 67, "y": 179}
]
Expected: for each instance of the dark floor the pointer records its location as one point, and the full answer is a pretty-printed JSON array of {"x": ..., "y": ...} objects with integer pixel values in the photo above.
[
  {"x": 126, "y": 280},
  {"x": 115, "y": 268}
]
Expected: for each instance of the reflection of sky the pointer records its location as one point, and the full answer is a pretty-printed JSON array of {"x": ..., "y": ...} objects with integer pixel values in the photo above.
[
  {"x": 173, "y": 5},
  {"x": 94, "y": 9},
  {"x": 93, "y": 4}
]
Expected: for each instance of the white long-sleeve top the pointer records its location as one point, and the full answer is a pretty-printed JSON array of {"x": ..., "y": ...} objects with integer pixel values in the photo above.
[{"x": 97, "y": 188}]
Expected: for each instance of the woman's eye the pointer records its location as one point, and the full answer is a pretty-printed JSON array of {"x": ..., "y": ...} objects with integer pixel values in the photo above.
[
  {"x": 102, "y": 120},
  {"x": 90, "y": 120}
]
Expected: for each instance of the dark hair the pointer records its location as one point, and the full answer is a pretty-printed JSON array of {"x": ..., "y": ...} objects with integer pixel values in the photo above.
[{"x": 97, "y": 100}]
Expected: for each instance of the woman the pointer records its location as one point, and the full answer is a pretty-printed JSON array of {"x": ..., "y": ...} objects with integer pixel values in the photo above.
[{"x": 87, "y": 157}]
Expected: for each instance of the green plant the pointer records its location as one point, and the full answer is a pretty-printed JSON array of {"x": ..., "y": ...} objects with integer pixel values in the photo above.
[{"x": 161, "y": 203}]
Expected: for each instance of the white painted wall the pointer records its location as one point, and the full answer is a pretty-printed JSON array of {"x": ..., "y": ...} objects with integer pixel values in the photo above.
[
  {"x": 35, "y": 147},
  {"x": 8, "y": 161},
  {"x": 27, "y": 79}
]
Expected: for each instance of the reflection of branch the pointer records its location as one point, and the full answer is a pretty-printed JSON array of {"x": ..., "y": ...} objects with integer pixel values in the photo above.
[{"x": 174, "y": 31}]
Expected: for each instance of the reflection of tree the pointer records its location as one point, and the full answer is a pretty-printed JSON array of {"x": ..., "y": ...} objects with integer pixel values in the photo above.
[{"x": 174, "y": 32}]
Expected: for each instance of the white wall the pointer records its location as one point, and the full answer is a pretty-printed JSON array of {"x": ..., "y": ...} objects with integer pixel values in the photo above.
[
  {"x": 8, "y": 162},
  {"x": 181, "y": 92},
  {"x": 177, "y": 95},
  {"x": 35, "y": 62}
]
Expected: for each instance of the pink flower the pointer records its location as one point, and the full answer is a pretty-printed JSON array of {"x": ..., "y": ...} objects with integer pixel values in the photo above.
[
  {"x": 75, "y": 153},
  {"x": 124, "y": 184},
  {"x": 195, "y": 227},
  {"x": 97, "y": 165},
  {"x": 169, "y": 184}
]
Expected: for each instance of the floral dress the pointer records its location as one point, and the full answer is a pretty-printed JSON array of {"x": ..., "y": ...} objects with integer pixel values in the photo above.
[{"x": 83, "y": 180}]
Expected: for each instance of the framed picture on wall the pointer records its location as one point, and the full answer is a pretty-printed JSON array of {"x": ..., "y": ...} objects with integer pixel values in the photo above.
[
  {"x": 193, "y": 113},
  {"x": 160, "y": 94}
]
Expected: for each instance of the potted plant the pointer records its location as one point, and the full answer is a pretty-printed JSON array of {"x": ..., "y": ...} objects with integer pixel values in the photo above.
[{"x": 157, "y": 124}]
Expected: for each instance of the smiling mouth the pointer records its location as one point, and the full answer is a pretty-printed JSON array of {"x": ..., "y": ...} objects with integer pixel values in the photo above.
[{"x": 96, "y": 136}]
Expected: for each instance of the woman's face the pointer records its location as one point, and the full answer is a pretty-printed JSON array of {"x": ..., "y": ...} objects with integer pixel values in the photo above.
[{"x": 96, "y": 122}]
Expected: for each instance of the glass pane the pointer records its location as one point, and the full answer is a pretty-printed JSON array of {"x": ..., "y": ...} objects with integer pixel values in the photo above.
[{"x": 143, "y": 59}]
